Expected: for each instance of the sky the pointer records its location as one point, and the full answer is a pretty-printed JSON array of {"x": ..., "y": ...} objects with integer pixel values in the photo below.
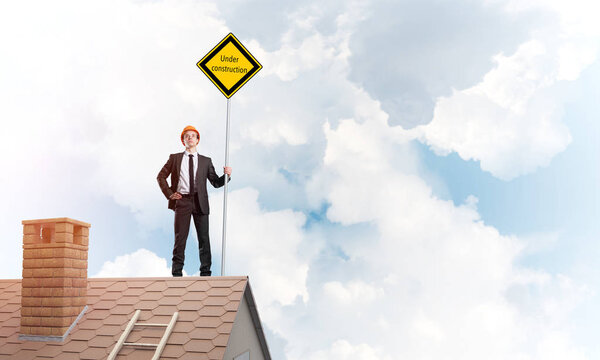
[{"x": 411, "y": 179}]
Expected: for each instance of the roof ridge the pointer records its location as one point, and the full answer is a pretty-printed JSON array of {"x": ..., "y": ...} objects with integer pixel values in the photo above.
[{"x": 170, "y": 278}]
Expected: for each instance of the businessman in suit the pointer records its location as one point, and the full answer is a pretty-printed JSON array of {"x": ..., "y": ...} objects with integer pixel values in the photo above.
[{"x": 188, "y": 197}]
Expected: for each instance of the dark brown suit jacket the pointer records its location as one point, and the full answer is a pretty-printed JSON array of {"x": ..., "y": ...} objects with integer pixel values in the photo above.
[{"x": 205, "y": 171}]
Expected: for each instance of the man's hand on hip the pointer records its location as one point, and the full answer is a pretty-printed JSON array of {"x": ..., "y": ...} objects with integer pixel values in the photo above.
[{"x": 175, "y": 196}]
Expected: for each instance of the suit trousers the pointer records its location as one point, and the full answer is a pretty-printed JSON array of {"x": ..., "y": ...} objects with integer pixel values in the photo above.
[{"x": 185, "y": 208}]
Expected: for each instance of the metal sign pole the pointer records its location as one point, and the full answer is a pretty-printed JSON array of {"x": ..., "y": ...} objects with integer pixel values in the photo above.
[
  {"x": 218, "y": 65},
  {"x": 225, "y": 192}
]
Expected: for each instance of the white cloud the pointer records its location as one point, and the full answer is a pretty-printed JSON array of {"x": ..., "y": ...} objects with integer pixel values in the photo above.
[
  {"x": 353, "y": 293},
  {"x": 451, "y": 285},
  {"x": 141, "y": 263},
  {"x": 344, "y": 350},
  {"x": 511, "y": 120},
  {"x": 554, "y": 347}
]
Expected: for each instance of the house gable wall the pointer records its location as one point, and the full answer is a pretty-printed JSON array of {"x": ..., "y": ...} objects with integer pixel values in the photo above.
[{"x": 243, "y": 335}]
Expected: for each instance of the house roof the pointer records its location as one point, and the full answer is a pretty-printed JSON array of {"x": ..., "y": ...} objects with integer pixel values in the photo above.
[{"x": 207, "y": 309}]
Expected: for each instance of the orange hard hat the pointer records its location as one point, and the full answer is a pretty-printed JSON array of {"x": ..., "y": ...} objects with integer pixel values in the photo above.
[{"x": 189, "y": 128}]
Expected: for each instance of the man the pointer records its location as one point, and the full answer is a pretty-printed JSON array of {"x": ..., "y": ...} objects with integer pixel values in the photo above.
[{"x": 188, "y": 197}]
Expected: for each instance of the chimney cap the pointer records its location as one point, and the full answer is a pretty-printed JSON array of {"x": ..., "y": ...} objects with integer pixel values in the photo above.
[{"x": 55, "y": 220}]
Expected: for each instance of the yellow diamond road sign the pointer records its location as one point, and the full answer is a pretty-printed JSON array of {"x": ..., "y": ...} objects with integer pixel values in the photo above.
[{"x": 229, "y": 65}]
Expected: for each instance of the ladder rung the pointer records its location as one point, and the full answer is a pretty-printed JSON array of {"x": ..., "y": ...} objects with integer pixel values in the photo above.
[
  {"x": 148, "y": 324},
  {"x": 140, "y": 344}
]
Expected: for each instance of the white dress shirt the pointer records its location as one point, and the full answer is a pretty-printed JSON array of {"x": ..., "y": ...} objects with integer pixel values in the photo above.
[{"x": 184, "y": 175}]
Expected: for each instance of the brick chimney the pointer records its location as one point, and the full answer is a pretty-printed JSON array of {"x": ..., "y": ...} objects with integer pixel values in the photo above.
[{"x": 54, "y": 286}]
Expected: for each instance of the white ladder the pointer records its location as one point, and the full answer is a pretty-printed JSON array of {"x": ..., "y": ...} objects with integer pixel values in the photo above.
[{"x": 133, "y": 322}]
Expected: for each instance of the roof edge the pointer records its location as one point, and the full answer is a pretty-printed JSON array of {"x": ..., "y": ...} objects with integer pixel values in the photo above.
[
  {"x": 256, "y": 320},
  {"x": 179, "y": 278}
]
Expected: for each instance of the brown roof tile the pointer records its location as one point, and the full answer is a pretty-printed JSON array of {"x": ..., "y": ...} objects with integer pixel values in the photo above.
[
  {"x": 95, "y": 292},
  {"x": 67, "y": 356},
  {"x": 170, "y": 300},
  {"x": 6, "y": 331},
  {"x": 203, "y": 334},
  {"x": 194, "y": 356},
  {"x": 111, "y": 296},
  {"x": 185, "y": 315},
  {"x": 173, "y": 351},
  {"x": 90, "y": 324},
  {"x": 160, "y": 319},
  {"x": 189, "y": 305},
  {"x": 178, "y": 338},
  {"x": 107, "y": 329},
  {"x": 221, "y": 340},
  {"x": 135, "y": 291},
  {"x": 232, "y": 306},
  {"x": 239, "y": 286},
  {"x": 208, "y": 322},
  {"x": 198, "y": 345},
  {"x": 128, "y": 300},
  {"x": 165, "y": 310},
  {"x": 149, "y": 336},
  {"x": 13, "y": 339},
  {"x": 194, "y": 295},
  {"x": 133, "y": 283},
  {"x": 9, "y": 349},
  {"x": 157, "y": 286},
  {"x": 76, "y": 346},
  {"x": 83, "y": 334},
  {"x": 199, "y": 286},
  {"x": 216, "y": 300},
  {"x": 118, "y": 286},
  {"x": 12, "y": 322},
  {"x": 136, "y": 354},
  {"x": 225, "y": 328},
  {"x": 31, "y": 345},
  {"x": 101, "y": 341},
  {"x": 125, "y": 352},
  {"x": 175, "y": 291},
  {"x": 10, "y": 308},
  {"x": 99, "y": 284},
  {"x": 222, "y": 283},
  {"x": 52, "y": 350},
  {"x": 93, "y": 353},
  {"x": 146, "y": 305},
  {"x": 217, "y": 353},
  {"x": 229, "y": 316},
  {"x": 235, "y": 295},
  {"x": 183, "y": 326},
  {"x": 104, "y": 304},
  {"x": 116, "y": 319},
  {"x": 24, "y": 354},
  {"x": 212, "y": 311},
  {"x": 151, "y": 295},
  {"x": 219, "y": 291},
  {"x": 123, "y": 310},
  {"x": 175, "y": 283}
]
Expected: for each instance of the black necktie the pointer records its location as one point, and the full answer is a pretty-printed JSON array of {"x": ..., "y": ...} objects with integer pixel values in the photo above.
[{"x": 191, "y": 174}]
